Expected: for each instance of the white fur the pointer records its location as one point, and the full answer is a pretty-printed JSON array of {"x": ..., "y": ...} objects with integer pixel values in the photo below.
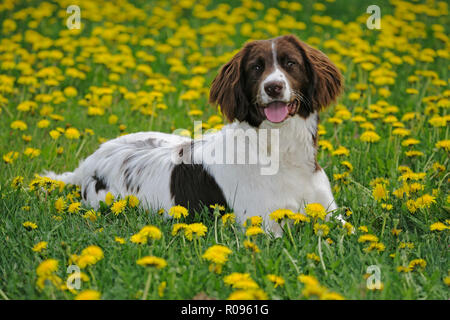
[
  {"x": 249, "y": 193},
  {"x": 276, "y": 75},
  {"x": 107, "y": 161}
]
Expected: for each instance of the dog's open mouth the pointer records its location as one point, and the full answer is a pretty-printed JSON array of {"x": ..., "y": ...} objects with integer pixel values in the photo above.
[{"x": 278, "y": 111}]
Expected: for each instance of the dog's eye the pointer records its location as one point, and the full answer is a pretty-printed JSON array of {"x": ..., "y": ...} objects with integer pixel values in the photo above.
[
  {"x": 257, "y": 67},
  {"x": 290, "y": 64}
]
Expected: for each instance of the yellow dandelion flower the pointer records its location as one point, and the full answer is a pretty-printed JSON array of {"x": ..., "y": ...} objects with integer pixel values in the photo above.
[
  {"x": 254, "y": 294},
  {"x": 369, "y": 136},
  {"x": 375, "y": 246},
  {"x": 177, "y": 227},
  {"x": 118, "y": 206},
  {"x": 438, "y": 226},
  {"x": 349, "y": 227},
  {"x": 60, "y": 205},
  {"x": 401, "y": 132},
  {"x": 88, "y": 295},
  {"x": 321, "y": 229},
  {"x": 368, "y": 238},
  {"x": 94, "y": 251},
  {"x": 254, "y": 221},
  {"x": 17, "y": 182},
  {"x": 19, "y": 125},
  {"x": 217, "y": 254},
  {"x": 280, "y": 214},
  {"x": 44, "y": 123},
  {"x": 178, "y": 211},
  {"x": 331, "y": 296},
  {"x": 47, "y": 267},
  {"x": 425, "y": 201},
  {"x": 10, "y": 157},
  {"x": 240, "y": 281},
  {"x": 298, "y": 217},
  {"x": 120, "y": 240},
  {"x": 315, "y": 211},
  {"x": 162, "y": 286},
  {"x": 138, "y": 238},
  {"x": 380, "y": 193},
  {"x": 229, "y": 218},
  {"x": 312, "y": 256},
  {"x": 151, "y": 232},
  {"x": 109, "y": 198},
  {"x": 29, "y": 225},
  {"x": 38, "y": 247},
  {"x": 443, "y": 144},
  {"x": 72, "y": 133},
  {"x": 198, "y": 229},
  {"x": 133, "y": 201},
  {"x": 253, "y": 231},
  {"x": 251, "y": 246},
  {"x": 413, "y": 264},
  {"x": 152, "y": 261},
  {"x": 277, "y": 280},
  {"x": 74, "y": 207}
]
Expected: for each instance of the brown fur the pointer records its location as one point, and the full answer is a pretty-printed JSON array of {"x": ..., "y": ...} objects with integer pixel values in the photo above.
[{"x": 312, "y": 75}]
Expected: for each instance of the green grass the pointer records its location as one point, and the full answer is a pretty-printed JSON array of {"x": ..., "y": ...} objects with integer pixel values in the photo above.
[{"x": 344, "y": 262}]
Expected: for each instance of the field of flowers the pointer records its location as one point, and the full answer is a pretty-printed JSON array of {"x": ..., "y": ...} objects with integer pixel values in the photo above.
[{"x": 147, "y": 65}]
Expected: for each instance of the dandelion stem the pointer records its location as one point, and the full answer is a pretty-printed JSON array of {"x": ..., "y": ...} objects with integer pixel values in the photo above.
[
  {"x": 197, "y": 251},
  {"x": 384, "y": 224},
  {"x": 290, "y": 235},
  {"x": 292, "y": 260},
  {"x": 93, "y": 277},
  {"x": 216, "y": 216},
  {"x": 321, "y": 256},
  {"x": 83, "y": 142},
  {"x": 4, "y": 296},
  {"x": 147, "y": 285},
  {"x": 235, "y": 235}
]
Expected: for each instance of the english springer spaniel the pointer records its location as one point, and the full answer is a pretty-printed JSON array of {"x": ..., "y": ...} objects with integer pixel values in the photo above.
[{"x": 271, "y": 88}]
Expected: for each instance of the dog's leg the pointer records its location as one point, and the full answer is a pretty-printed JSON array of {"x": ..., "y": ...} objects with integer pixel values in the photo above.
[{"x": 324, "y": 196}]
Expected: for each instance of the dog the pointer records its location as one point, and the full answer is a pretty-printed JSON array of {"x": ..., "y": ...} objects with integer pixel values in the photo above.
[{"x": 277, "y": 85}]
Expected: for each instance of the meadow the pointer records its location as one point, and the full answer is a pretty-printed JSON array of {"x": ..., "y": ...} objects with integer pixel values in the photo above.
[{"x": 147, "y": 66}]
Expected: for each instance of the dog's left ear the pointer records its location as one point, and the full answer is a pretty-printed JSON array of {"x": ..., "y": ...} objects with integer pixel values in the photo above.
[
  {"x": 227, "y": 89},
  {"x": 325, "y": 78}
]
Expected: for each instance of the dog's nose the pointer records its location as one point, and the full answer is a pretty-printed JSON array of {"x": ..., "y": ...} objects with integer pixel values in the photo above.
[{"x": 274, "y": 88}]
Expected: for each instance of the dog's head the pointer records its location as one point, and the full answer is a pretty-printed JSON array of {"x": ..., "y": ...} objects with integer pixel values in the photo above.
[{"x": 274, "y": 80}]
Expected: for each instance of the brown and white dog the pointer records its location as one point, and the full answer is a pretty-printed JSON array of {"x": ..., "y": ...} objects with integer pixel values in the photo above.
[{"x": 271, "y": 86}]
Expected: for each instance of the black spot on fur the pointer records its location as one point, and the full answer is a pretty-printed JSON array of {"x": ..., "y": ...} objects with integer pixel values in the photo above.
[
  {"x": 100, "y": 183},
  {"x": 128, "y": 179},
  {"x": 84, "y": 195},
  {"x": 127, "y": 160},
  {"x": 192, "y": 187}
]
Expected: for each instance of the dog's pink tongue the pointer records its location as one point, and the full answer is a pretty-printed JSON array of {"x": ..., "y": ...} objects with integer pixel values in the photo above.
[{"x": 276, "y": 111}]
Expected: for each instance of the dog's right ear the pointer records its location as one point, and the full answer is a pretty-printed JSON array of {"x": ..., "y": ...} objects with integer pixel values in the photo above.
[
  {"x": 227, "y": 89},
  {"x": 325, "y": 79}
]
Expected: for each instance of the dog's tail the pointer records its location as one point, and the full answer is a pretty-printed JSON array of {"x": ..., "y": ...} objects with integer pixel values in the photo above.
[{"x": 66, "y": 177}]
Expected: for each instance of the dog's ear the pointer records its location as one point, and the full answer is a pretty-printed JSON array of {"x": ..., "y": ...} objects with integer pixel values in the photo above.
[
  {"x": 227, "y": 89},
  {"x": 325, "y": 79}
]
